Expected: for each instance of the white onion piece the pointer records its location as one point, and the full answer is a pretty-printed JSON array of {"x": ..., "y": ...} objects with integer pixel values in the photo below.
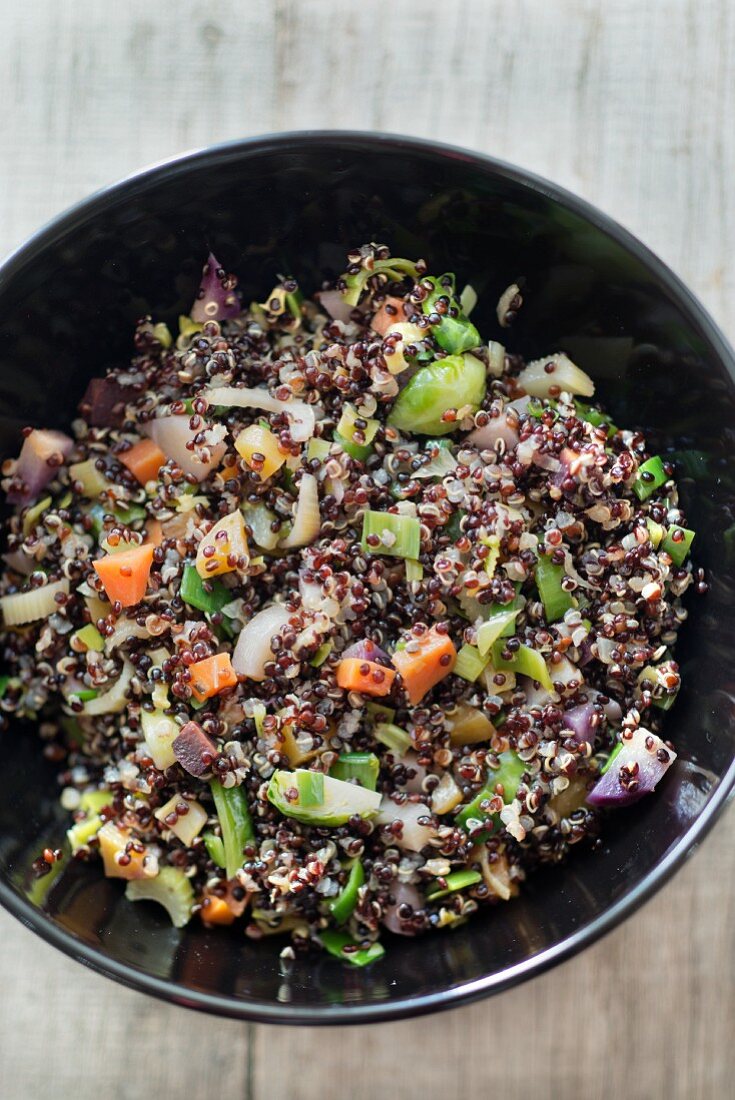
[
  {"x": 301, "y": 415},
  {"x": 498, "y": 428},
  {"x": 605, "y": 647},
  {"x": 566, "y": 375},
  {"x": 253, "y": 649},
  {"x": 565, "y": 673},
  {"x": 114, "y": 700},
  {"x": 468, "y": 299},
  {"x": 410, "y": 761},
  {"x": 124, "y": 629},
  {"x": 19, "y": 562},
  {"x": 504, "y": 303},
  {"x": 28, "y": 607},
  {"x": 159, "y": 733},
  {"x": 404, "y": 894},
  {"x": 496, "y": 359},
  {"x": 172, "y": 433},
  {"x": 307, "y": 518},
  {"x": 414, "y": 836},
  {"x": 333, "y": 302}
]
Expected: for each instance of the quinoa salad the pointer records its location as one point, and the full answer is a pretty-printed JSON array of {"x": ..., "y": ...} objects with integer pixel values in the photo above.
[{"x": 338, "y": 619}]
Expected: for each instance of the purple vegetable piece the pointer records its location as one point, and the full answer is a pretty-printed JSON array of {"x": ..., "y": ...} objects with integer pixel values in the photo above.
[
  {"x": 216, "y": 299},
  {"x": 366, "y": 650},
  {"x": 581, "y": 721},
  {"x": 194, "y": 750},
  {"x": 638, "y": 767},
  {"x": 333, "y": 302},
  {"x": 404, "y": 894},
  {"x": 103, "y": 404},
  {"x": 40, "y": 457}
]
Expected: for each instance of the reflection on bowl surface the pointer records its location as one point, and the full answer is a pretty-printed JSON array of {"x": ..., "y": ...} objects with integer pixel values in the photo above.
[{"x": 295, "y": 203}]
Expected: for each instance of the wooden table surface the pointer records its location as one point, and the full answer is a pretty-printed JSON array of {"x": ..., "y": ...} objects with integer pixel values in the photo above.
[{"x": 629, "y": 104}]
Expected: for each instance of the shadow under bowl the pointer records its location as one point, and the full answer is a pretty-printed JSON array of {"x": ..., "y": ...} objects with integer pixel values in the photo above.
[{"x": 293, "y": 204}]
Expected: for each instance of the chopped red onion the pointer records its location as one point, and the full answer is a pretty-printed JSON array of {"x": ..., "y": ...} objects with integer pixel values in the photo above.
[
  {"x": 497, "y": 428},
  {"x": 404, "y": 894},
  {"x": 580, "y": 720},
  {"x": 103, "y": 404},
  {"x": 216, "y": 299},
  {"x": 333, "y": 303},
  {"x": 638, "y": 767},
  {"x": 366, "y": 650},
  {"x": 40, "y": 456}
]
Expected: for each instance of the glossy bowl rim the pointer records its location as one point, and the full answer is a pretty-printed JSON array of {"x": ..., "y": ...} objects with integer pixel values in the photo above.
[{"x": 403, "y": 1007}]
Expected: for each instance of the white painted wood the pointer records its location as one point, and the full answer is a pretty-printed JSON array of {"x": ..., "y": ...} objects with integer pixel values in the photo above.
[{"x": 631, "y": 105}]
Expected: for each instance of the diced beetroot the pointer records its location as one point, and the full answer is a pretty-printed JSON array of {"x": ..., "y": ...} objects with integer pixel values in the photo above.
[
  {"x": 194, "y": 750},
  {"x": 40, "y": 457},
  {"x": 103, "y": 404},
  {"x": 216, "y": 299}
]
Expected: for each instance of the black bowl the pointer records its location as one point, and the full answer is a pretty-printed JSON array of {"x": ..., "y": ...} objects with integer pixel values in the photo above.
[{"x": 294, "y": 204}]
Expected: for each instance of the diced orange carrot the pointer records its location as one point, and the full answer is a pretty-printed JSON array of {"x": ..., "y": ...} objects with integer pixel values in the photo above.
[
  {"x": 113, "y": 841},
  {"x": 154, "y": 532},
  {"x": 144, "y": 460},
  {"x": 432, "y": 661},
  {"x": 125, "y": 575},
  {"x": 212, "y": 675},
  {"x": 367, "y": 677},
  {"x": 215, "y": 910},
  {"x": 383, "y": 318}
]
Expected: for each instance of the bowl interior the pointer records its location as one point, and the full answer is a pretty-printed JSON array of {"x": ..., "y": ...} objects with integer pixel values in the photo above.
[{"x": 68, "y": 302}]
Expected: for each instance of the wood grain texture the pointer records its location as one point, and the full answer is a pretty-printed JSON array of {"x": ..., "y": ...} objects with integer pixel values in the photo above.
[{"x": 630, "y": 105}]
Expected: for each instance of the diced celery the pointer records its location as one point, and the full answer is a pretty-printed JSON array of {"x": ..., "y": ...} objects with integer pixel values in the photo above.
[
  {"x": 362, "y": 766},
  {"x": 94, "y": 801},
  {"x": 596, "y": 417},
  {"x": 677, "y": 543},
  {"x": 456, "y": 880},
  {"x": 491, "y": 561},
  {"x": 162, "y": 333},
  {"x": 260, "y": 521},
  {"x": 493, "y": 628},
  {"x": 555, "y": 598},
  {"x": 525, "y": 661},
  {"x": 170, "y": 888},
  {"x": 651, "y": 476},
  {"x": 82, "y": 832},
  {"x": 4, "y": 682},
  {"x": 91, "y": 638},
  {"x": 399, "y": 536},
  {"x": 470, "y": 663},
  {"x": 393, "y": 737},
  {"x": 358, "y": 451},
  {"x": 343, "y": 905},
  {"x": 334, "y": 942},
  {"x": 346, "y": 427},
  {"x": 318, "y": 448},
  {"x": 92, "y": 480},
  {"x": 32, "y": 516},
  {"x": 379, "y": 713}
]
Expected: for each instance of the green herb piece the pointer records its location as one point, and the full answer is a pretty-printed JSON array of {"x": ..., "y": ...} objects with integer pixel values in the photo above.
[
  {"x": 611, "y": 758},
  {"x": 235, "y": 822},
  {"x": 525, "y": 661},
  {"x": 509, "y": 775},
  {"x": 4, "y": 682},
  {"x": 362, "y": 766},
  {"x": 321, "y": 654},
  {"x": 399, "y": 536},
  {"x": 555, "y": 598},
  {"x": 377, "y": 712},
  {"x": 343, "y": 905},
  {"x": 215, "y": 849},
  {"x": 414, "y": 571},
  {"x": 677, "y": 543},
  {"x": 358, "y": 451},
  {"x": 651, "y": 476},
  {"x": 596, "y": 417},
  {"x": 655, "y": 532},
  {"x": 318, "y": 448},
  {"x": 334, "y": 942},
  {"x": 209, "y": 596},
  {"x": 457, "y": 880}
]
